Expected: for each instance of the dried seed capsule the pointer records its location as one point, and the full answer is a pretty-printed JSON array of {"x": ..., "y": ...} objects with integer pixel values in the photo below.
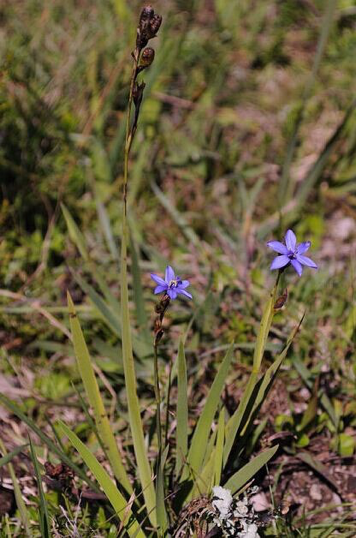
[
  {"x": 281, "y": 300},
  {"x": 155, "y": 24},
  {"x": 146, "y": 14},
  {"x": 147, "y": 57},
  {"x": 143, "y": 31}
]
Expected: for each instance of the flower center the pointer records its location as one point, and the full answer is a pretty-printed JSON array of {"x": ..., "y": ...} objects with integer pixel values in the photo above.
[
  {"x": 291, "y": 254},
  {"x": 174, "y": 282}
]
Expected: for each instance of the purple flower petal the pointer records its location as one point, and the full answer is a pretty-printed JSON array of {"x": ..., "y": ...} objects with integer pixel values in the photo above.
[
  {"x": 304, "y": 260},
  {"x": 290, "y": 240},
  {"x": 159, "y": 289},
  {"x": 158, "y": 279},
  {"x": 277, "y": 246},
  {"x": 170, "y": 275},
  {"x": 184, "y": 284},
  {"x": 279, "y": 262},
  {"x": 172, "y": 293},
  {"x": 297, "y": 266},
  {"x": 183, "y": 292},
  {"x": 303, "y": 247}
]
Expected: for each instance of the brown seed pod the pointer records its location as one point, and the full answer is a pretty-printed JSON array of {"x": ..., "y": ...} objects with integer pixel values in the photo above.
[
  {"x": 155, "y": 25},
  {"x": 147, "y": 57},
  {"x": 148, "y": 26},
  {"x": 146, "y": 15},
  {"x": 280, "y": 302}
]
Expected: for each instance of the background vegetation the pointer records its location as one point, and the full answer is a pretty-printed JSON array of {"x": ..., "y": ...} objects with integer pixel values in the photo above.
[{"x": 248, "y": 127}]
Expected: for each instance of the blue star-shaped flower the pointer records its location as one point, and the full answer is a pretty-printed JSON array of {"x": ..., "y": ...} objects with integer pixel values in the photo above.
[
  {"x": 291, "y": 253},
  {"x": 172, "y": 285}
]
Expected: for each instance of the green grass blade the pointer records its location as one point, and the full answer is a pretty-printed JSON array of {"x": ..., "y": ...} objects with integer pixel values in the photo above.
[
  {"x": 143, "y": 465},
  {"x": 319, "y": 468},
  {"x": 112, "y": 318},
  {"x": 177, "y": 217},
  {"x": 264, "y": 329},
  {"x": 116, "y": 499},
  {"x": 44, "y": 516},
  {"x": 258, "y": 394},
  {"x": 202, "y": 481},
  {"x": 8, "y": 457},
  {"x": 249, "y": 470},
  {"x": 78, "y": 239},
  {"x": 324, "y": 399},
  {"x": 219, "y": 451},
  {"x": 202, "y": 430},
  {"x": 317, "y": 169},
  {"x": 271, "y": 372},
  {"x": 92, "y": 390},
  {"x": 15, "y": 409},
  {"x": 234, "y": 423},
  {"x": 285, "y": 183},
  {"x": 141, "y": 316},
  {"x": 292, "y": 209},
  {"x": 162, "y": 520},
  {"x": 18, "y": 495},
  {"x": 75, "y": 234},
  {"x": 107, "y": 229},
  {"x": 182, "y": 411}
]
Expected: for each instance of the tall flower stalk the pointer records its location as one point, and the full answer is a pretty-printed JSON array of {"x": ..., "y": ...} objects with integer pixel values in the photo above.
[{"x": 149, "y": 24}]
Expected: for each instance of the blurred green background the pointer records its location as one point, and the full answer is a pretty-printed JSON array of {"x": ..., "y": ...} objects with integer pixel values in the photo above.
[{"x": 248, "y": 127}]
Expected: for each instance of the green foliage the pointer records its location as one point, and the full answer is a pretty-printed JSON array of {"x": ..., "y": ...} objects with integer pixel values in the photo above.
[
  {"x": 119, "y": 503},
  {"x": 93, "y": 394},
  {"x": 247, "y": 127}
]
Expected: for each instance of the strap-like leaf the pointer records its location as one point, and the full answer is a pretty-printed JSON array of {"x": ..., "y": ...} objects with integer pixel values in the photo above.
[
  {"x": 203, "y": 427},
  {"x": 93, "y": 394},
  {"x": 182, "y": 411},
  {"x": 249, "y": 470},
  {"x": 117, "y": 500}
]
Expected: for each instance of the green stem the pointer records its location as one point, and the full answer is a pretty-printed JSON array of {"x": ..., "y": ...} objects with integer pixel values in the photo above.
[
  {"x": 168, "y": 399},
  {"x": 128, "y": 137},
  {"x": 265, "y": 326},
  {"x": 161, "y": 456},
  {"x": 128, "y": 360},
  {"x": 158, "y": 401}
]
